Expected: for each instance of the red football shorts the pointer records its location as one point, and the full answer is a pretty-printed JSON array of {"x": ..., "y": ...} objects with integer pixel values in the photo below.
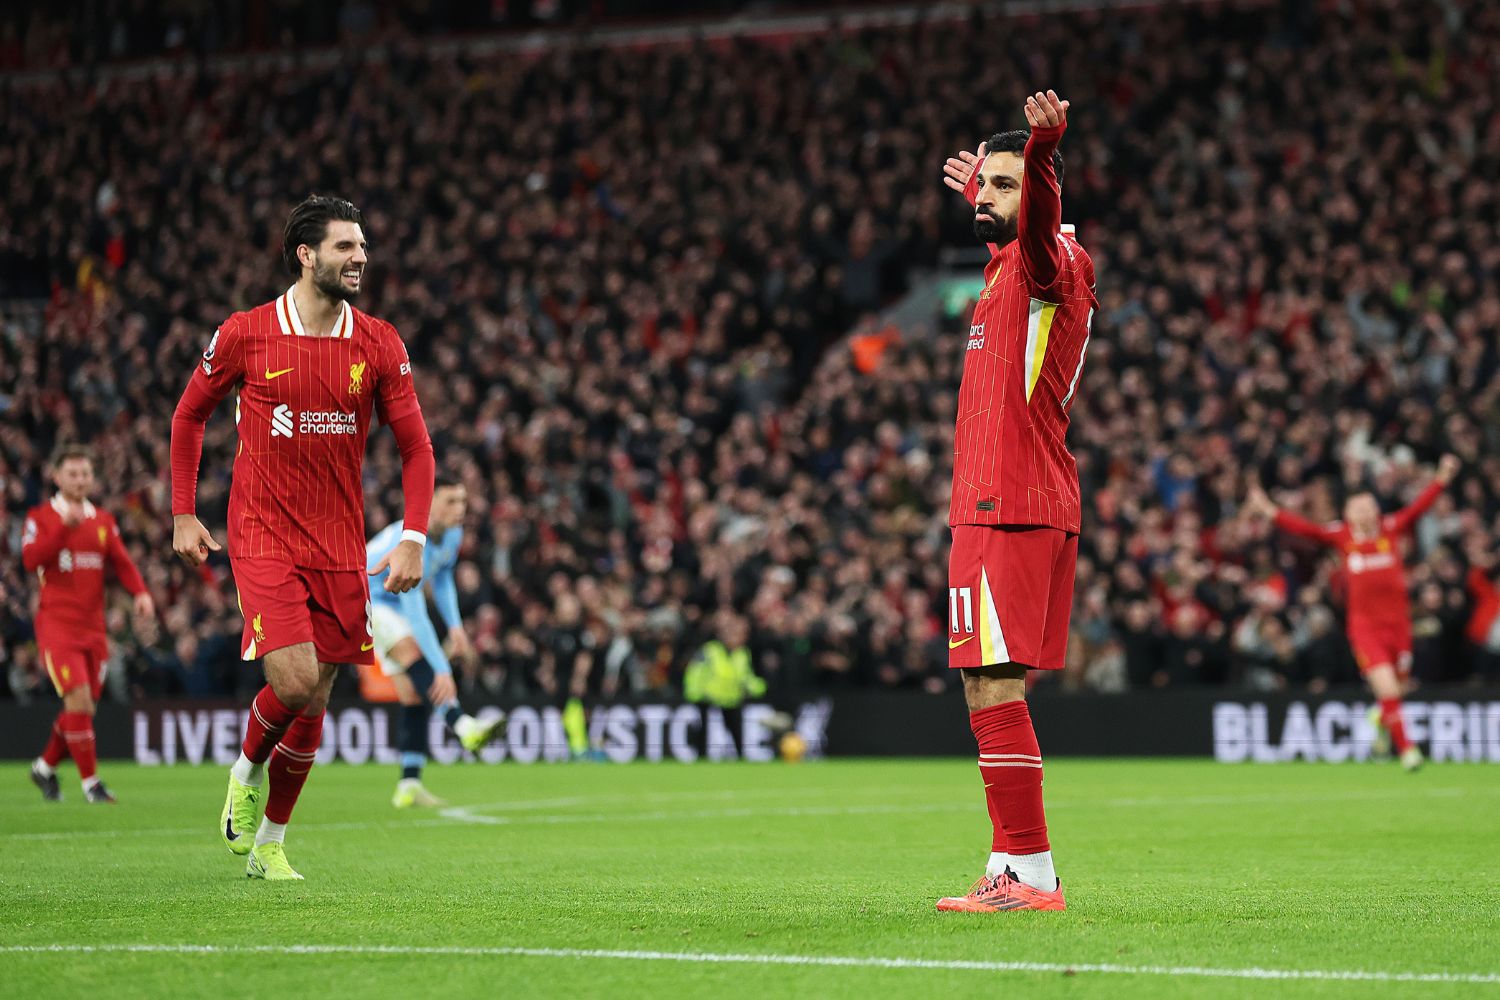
[
  {"x": 284, "y": 604},
  {"x": 1010, "y": 595},
  {"x": 1382, "y": 647},
  {"x": 72, "y": 661}
]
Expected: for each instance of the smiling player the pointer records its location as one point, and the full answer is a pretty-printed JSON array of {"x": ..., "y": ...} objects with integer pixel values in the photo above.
[{"x": 310, "y": 371}]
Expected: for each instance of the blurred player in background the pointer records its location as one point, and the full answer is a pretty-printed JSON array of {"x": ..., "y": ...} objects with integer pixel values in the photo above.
[
  {"x": 1379, "y": 614},
  {"x": 67, "y": 541},
  {"x": 310, "y": 371},
  {"x": 1015, "y": 508},
  {"x": 407, "y": 646}
]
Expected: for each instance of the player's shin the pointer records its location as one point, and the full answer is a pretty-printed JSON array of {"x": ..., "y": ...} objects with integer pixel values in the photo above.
[
  {"x": 411, "y": 738},
  {"x": 1011, "y": 762},
  {"x": 57, "y": 747},
  {"x": 288, "y": 768},
  {"x": 268, "y": 725},
  {"x": 458, "y": 722},
  {"x": 78, "y": 732},
  {"x": 1394, "y": 723},
  {"x": 999, "y": 846}
]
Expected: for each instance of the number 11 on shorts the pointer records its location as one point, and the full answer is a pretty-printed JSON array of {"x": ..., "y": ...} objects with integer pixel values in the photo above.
[{"x": 964, "y": 596}]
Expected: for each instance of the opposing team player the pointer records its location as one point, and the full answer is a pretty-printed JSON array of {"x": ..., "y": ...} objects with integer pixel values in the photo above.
[
  {"x": 310, "y": 371},
  {"x": 407, "y": 646},
  {"x": 1015, "y": 508},
  {"x": 67, "y": 542},
  {"x": 1379, "y": 611}
]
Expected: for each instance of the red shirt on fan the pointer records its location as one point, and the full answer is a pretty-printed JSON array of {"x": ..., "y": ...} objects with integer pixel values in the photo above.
[
  {"x": 70, "y": 562},
  {"x": 1373, "y": 567},
  {"x": 1024, "y": 357},
  {"x": 303, "y": 414}
]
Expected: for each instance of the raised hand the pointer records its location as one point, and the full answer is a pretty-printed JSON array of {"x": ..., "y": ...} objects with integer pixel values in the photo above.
[
  {"x": 1258, "y": 504},
  {"x": 1046, "y": 110},
  {"x": 1448, "y": 467},
  {"x": 958, "y": 169}
]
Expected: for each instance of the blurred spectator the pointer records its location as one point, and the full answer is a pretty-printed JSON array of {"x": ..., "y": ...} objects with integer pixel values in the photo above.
[{"x": 621, "y": 313}]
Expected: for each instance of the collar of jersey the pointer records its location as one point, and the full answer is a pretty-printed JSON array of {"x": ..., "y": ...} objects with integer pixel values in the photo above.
[
  {"x": 291, "y": 323},
  {"x": 61, "y": 506}
]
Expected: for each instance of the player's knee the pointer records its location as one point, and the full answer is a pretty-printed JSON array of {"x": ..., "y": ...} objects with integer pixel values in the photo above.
[
  {"x": 997, "y": 684},
  {"x": 297, "y": 689},
  {"x": 79, "y": 700}
]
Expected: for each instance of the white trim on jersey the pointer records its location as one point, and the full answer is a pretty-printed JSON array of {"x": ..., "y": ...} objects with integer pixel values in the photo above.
[
  {"x": 291, "y": 323},
  {"x": 60, "y": 504},
  {"x": 1088, "y": 332}
]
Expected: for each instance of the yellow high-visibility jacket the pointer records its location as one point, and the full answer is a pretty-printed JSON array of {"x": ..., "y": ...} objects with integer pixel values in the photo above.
[{"x": 721, "y": 677}]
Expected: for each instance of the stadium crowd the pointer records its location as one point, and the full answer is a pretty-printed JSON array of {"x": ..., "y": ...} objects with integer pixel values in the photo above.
[{"x": 641, "y": 290}]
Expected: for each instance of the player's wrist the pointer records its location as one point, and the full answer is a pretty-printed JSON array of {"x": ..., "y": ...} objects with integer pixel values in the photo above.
[{"x": 411, "y": 535}]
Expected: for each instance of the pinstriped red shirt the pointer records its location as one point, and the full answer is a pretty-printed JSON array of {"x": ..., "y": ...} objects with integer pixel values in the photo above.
[
  {"x": 1022, "y": 363},
  {"x": 303, "y": 414},
  {"x": 70, "y": 562}
]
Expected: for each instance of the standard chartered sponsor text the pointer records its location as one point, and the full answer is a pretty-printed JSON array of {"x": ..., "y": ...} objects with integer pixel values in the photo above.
[{"x": 327, "y": 422}]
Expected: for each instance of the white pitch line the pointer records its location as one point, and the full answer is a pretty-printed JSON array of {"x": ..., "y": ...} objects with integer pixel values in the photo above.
[
  {"x": 710, "y": 958},
  {"x": 464, "y": 814},
  {"x": 471, "y": 813}
]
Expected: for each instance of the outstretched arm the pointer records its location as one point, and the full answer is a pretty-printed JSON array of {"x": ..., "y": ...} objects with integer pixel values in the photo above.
[
  {"x": 1402, "y": 521},
  {"x": 1041, "y": 192},
  {"x": 1260, "y": 505},
  {"x": 1303, "y": 528}
]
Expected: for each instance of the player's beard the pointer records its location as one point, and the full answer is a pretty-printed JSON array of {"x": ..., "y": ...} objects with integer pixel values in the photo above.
[
  {"x": 993, "y": 228},
  {"x": 329, "y": 280}
]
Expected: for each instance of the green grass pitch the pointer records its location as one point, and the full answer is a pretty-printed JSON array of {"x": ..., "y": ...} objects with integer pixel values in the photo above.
[{"x": 580, "y": 880}]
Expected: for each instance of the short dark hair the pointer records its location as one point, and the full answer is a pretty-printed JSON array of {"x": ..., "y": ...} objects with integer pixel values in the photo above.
[
  {"x": 443, "y": 482},
  {"x": 308, "y": 224},
  {"x": 69, "y": 450},
  {"x": 1014, "y": 141}
]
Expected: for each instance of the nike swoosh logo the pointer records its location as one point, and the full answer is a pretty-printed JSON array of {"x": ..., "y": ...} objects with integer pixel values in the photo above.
[
  {"x": 367, "y": 647},
  {"x": 274, "y": 375},
  {"x": 229, "y": 833},
  {"x": 955, "y": 645}
]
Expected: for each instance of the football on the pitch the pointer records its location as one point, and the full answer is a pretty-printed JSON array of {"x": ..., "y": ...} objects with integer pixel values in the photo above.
[{"x": 792, "y": 747}]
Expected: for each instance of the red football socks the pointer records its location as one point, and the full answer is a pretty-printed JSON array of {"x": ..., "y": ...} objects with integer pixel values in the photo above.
[
  {"x": 269, "y": 720},
  {"x": 78, "y": 731},
  {"x": 1390, "y": 718},
  {"x": 292, "y": 759},
  {"x": 1011, "y": 764},
  {"x": 57, "y": 744}
]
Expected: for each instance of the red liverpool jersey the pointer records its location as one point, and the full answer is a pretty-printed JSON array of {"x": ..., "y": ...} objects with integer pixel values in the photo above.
[
  {"x": 70, "y": 562},
  {"x": 1373, "y": 567},
  {"x": 1022, "y": 363},
  {"x": 303, "y": 413}
]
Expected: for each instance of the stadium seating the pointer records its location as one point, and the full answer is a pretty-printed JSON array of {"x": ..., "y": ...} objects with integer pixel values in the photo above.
[{"x": 633, "y": 282}]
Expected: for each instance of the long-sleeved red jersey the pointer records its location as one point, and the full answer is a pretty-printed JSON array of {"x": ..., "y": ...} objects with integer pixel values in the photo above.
[
  {"x": 70, "y": 563},
  {"x": 303, "y": 414},
  {"x": 1023, "y": 360},
  {"x": 1373, "y": 567}
]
